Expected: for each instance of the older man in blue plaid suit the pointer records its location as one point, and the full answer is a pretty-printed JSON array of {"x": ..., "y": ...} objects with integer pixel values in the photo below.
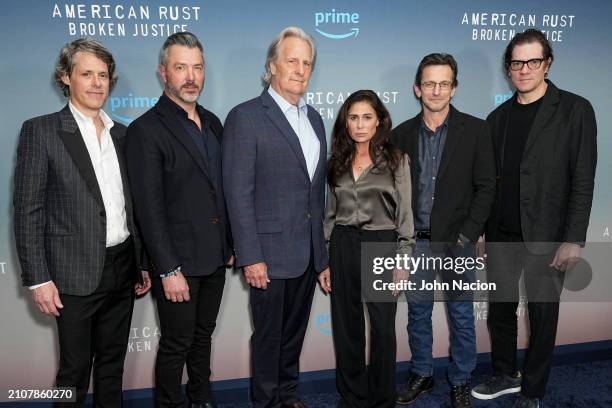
[{"x": 274, "y": 154}]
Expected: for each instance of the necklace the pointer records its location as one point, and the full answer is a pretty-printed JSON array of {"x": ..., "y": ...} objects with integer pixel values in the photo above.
[{"x": 360, "y": 165}]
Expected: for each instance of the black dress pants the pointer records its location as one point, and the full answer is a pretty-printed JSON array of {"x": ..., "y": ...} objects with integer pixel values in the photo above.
[
  {"x": 358, "y": 385},
  {"x": 280, "y": 318},
  {"x": 186, "y": 337},
  {"x": 543, "y": 286},
  {"x": 94, "y": 330}
]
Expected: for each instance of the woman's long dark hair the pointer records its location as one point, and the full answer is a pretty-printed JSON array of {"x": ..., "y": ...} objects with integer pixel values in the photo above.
[{"x": 343, "y": 148}]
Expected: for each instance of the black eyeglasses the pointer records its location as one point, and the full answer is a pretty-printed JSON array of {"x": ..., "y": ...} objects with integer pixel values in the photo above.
[
  {"x": 430, "y": 85},
  {"x": 534, "y": 63}
]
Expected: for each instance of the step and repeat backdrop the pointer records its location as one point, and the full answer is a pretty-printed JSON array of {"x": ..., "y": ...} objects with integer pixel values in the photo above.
[{"x": 361, "y": 44}]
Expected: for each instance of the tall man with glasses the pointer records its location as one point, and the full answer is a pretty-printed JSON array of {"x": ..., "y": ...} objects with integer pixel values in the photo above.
[
  {"x": 453, "y": 183},
  {"x": 545, "y": 141}
]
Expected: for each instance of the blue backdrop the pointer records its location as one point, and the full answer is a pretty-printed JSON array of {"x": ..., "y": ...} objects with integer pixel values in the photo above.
[{"x": 361, "y": 44}]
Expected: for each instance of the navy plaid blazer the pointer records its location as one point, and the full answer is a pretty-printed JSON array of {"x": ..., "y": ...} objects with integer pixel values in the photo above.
[{"x": 275, "y": 210}]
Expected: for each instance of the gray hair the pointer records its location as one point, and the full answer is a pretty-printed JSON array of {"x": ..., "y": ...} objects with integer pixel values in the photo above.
[
  {"x": 184, "y": 38},
  {"x": 274, "y": 50},
  {"x": 65, "y": 61}
]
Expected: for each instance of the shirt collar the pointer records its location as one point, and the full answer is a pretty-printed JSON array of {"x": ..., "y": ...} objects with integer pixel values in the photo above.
[
  {"x": 180, "y": 111},
  {"x": 425, "y": 127},
  {"x": 283, "y": 104},
  {"x": 82, "y": 118}
]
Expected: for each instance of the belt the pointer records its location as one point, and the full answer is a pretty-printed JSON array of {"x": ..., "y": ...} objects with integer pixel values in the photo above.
[
  {"x": 115, "y": 250},
  {"x": 423, "y": 234}
]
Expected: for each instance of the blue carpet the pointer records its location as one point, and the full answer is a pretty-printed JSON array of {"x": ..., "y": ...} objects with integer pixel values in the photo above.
[
  {"x": 581, "y": 377},
  {"x": 583, "y": 385}
]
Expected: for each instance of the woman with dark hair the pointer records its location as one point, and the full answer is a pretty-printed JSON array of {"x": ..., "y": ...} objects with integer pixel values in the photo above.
[{"x": 369, "y": 200}]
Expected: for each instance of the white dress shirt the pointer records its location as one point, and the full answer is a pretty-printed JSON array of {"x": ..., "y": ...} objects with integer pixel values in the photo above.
[
  {"x": 298, "y": 119},
  {"x": 106, "y": 166}
]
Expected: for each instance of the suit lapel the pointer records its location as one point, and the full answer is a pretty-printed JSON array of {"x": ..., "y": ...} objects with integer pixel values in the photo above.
[
  {"x": 453, "y": 137},
  {"x": 119, "y": 150},
  {"x": 413, "y": 151},
  {"x": 314, "y": 117},
  {"x": 545, "y": 113},
  {"x": 408, "y": 142},
  {"x": 280, "y": 121},
  {"x": 170, "y": 120},
  {"x": 73, "y": 140}
]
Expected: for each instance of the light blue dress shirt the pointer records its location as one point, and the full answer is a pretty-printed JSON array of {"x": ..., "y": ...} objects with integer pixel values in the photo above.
[{"x": 298, "y": 119}]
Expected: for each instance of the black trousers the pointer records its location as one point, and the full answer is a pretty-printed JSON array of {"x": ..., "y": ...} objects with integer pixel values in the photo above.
[
  {"x": 543, "y": 286},
  {"x": 94, "y": 330},
  {"x": 186, "y": 337},
  {"x": 280, "y": 318},
  {"x": 358, "y": 385}
]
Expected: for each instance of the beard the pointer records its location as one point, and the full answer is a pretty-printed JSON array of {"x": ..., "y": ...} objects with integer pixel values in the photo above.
[{"x": 184, "y": 96}]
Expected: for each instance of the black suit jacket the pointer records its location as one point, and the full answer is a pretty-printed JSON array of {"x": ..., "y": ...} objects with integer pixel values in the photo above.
[
  {"x": 557, "y": 171},
  {"x": 175, "y": 200},
  {"x": 60, "y": 221},
  {"x": 465, "y": 183}
]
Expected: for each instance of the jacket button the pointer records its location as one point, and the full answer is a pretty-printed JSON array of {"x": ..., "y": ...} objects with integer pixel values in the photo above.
[
  {"x": 308, "y": 215},
  {"x": 215, "y": 220},
  {"x": 102, "y": 213}
]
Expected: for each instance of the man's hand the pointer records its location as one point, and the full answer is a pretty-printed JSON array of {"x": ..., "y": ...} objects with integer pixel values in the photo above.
[
  {"x": 325, "y": 280},
  {"x": 566, "y": 257},
  {"x": 399, "y": 275},
  {"x": 142, "y": 288},
  {"x": 176, "y": 288},
  {"x": 256, "y": 275},
  {"x": 46, "y": 298}
]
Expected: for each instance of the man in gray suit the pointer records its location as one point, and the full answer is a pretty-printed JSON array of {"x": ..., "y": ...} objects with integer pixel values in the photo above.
[
  {"x": 74, "y": 229},
  {"x": 274, "y": 154}
]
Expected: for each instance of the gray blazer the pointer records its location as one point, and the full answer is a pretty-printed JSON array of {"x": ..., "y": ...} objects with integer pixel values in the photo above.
[
  {"x": 275, "y": 211},
  {"x": 59, "y": 218}
]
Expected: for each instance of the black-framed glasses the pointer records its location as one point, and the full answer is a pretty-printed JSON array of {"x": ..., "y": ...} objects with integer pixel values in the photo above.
[
  {"x": 444, "y": 85},
  {"x": 534, "y": 63}
]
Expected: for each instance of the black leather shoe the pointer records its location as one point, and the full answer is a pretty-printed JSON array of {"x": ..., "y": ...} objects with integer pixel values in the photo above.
[
  {"x": 206, "y": 404},
  {"x": 415, "y": 387},
  {"x": 460, "y": 396}
]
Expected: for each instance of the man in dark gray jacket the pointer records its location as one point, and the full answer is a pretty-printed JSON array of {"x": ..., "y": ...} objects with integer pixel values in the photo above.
[{"x": 545, "y": 141}]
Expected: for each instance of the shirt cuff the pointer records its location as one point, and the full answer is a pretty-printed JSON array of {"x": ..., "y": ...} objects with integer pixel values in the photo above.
[{"x": 39, "y": 285}]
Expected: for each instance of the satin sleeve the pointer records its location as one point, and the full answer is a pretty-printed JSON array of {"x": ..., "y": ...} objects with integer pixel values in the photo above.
[
  {"x": 403, "y": 211},
  {"x": 330, "y": 214}
]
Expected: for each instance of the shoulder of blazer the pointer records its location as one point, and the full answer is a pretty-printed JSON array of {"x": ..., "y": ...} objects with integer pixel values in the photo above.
[
  {"x": 500, "y": 110},
  {"x": 405, "y": 130},
  {"x": 569, "y": 98},
  {"x": 466, "y": 118},
  {"x": 250, "y": 107},
  {"x": 48, "y": 120}
]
